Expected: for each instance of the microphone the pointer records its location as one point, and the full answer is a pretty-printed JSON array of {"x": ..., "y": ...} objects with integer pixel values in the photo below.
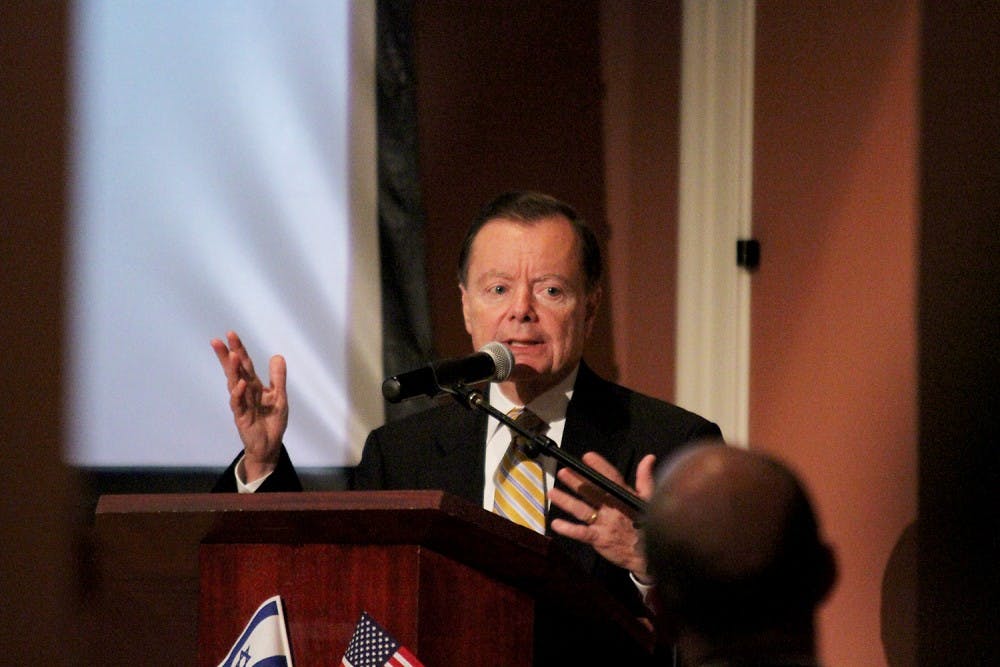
[{"x": 493, "y": 362}]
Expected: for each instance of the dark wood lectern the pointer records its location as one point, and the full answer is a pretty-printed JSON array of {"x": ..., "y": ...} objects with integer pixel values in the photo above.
[{"x": 182, "y": 574}]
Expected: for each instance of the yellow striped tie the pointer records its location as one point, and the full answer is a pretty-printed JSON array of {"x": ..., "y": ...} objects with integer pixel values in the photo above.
[{"x": 519, "y": 479}]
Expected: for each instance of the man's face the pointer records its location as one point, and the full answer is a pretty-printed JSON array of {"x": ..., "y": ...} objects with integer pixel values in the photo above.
[{"x": 525, "y": 288}]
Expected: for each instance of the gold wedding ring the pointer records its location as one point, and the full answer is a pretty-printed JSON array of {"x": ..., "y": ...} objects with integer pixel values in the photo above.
[{"x": 592, "y": 518}]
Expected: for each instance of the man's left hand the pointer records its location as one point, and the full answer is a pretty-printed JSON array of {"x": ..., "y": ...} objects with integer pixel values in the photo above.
[{"x": 604, "y": 522}]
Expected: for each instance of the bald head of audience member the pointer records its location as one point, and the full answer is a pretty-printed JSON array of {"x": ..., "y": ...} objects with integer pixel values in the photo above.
[{"x": 740, "y": 567}]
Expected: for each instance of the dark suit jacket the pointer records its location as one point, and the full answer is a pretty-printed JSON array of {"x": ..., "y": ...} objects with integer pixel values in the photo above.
[{"x": 444, "y": 448}]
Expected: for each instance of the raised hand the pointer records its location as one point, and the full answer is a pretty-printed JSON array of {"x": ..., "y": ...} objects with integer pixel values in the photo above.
[
  {"x": 260, "y": 413},
  {"x": 604, "y": 522}
]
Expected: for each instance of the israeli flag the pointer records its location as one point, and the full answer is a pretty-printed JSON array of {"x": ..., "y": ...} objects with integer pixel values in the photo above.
[{"x": 264, "y": 642}]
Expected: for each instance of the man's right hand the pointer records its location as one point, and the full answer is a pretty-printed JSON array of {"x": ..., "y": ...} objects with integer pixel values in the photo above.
[{"x": 260, "y": 413}]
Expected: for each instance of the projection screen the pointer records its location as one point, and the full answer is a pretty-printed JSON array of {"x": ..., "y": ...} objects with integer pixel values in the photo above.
[{"x": 224, "y": 177}]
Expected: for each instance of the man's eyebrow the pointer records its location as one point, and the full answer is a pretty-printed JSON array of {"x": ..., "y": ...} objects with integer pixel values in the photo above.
[
  {"x": 552, "y": 276},
  {"x": 492, "y": 273},
  {"x": 496, "y": 273}
]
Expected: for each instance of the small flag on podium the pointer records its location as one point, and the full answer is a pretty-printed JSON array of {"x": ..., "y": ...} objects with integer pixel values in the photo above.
[
  {"x": 372, "y": 646},
  {"x": 264, "y": 642}
]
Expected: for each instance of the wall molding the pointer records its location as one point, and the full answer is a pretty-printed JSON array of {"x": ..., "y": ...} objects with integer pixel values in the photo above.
[{"x": 716, "y": 163}]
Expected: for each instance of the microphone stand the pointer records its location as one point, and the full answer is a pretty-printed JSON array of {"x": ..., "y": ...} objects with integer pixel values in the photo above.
[{"x": 540, "y": 444}]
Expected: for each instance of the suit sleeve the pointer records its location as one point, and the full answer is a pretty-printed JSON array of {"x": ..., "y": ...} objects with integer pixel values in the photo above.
[
  {"x": 283, "y": 478},
  {"x": 705, "y": 430},
  {"x": 368, "y": 475}
]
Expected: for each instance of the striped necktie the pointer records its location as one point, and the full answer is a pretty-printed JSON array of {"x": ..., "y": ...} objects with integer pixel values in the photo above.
[{"x": 519, "y": 479}]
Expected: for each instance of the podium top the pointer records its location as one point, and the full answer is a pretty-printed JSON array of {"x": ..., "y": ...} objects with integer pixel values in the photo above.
[
  {"x": 140, "y": 529},
  {"x": 434, "y": 519}
]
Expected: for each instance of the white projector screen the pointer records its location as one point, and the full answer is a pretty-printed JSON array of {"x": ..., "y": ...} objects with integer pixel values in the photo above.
[{"x": 224, "y": 177}]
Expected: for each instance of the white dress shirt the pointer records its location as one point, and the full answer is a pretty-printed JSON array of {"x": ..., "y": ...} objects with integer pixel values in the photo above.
[{"x": 550, "y": 408}]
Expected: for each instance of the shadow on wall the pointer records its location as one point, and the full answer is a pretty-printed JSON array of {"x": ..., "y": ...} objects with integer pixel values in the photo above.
[{"x": 899, "y": 601}]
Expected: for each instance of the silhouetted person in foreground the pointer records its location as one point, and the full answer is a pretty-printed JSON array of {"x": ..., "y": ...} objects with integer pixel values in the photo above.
[{"x": 740, "y": 568}]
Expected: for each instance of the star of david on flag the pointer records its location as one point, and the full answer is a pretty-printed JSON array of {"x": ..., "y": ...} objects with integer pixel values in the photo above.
[
  {"x": 372, "y": 646},
  {"x": 264, "y": 642}
]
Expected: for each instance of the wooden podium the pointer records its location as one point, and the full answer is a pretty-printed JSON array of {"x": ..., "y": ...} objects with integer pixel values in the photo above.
[{"x": 182, "y": 574}]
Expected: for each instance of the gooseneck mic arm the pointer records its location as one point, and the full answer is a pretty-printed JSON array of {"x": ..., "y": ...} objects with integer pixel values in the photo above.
[{"x": 540, "y": 444}]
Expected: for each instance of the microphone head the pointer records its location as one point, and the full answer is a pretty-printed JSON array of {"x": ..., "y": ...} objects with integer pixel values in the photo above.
[{"x": 503, "y": 360}]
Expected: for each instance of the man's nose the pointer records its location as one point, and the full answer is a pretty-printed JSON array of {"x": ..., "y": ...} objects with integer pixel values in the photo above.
[{"x": 522, "y": 307}]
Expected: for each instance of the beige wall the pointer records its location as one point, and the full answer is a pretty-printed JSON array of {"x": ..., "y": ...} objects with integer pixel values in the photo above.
[
  {"x": 641, "y": 74},
  {"x": 833, "y": 385}
]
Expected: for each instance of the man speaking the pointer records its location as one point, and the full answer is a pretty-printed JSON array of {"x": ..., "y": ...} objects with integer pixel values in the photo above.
[{"x": 529, "y": 276}]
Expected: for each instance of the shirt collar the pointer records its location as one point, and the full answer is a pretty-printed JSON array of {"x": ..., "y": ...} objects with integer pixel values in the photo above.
[{"x": 550, "y": 406}]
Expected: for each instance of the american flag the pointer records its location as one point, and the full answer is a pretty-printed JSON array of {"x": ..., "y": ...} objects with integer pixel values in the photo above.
[{"x": 372, "y": 646}]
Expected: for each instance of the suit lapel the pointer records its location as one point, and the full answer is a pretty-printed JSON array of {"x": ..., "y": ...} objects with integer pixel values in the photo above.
[
  {"x": 590, "y": 422},
  {"x": 592, "y": 418}
]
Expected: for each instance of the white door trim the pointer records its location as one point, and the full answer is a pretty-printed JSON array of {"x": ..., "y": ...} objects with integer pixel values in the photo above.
[{"x": 716, "y": 162}]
